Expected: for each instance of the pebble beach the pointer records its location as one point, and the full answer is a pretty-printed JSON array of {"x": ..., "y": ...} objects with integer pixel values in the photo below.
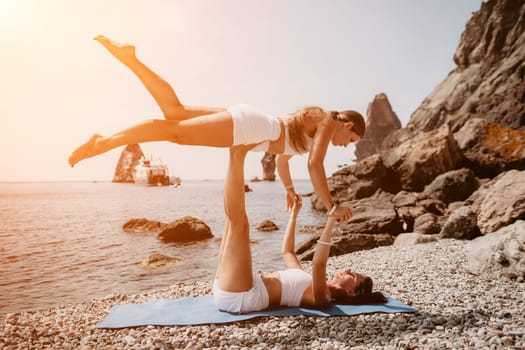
[{"x": 456, "y": 310}]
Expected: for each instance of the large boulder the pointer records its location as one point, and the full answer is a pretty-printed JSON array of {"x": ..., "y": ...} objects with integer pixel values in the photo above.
[
  {"x": 453, "y": 186},
  {"x": 428, "y": 224},
  {"x": 461, "y": 224},
  {"x": 499, "y": 253},
  {"x": 372, "y": 215},
  {"x": 186, "y": 229},
  {"x": 129, "y": 158},
  {"x": 490, "y": 148},
  {"x": 380, "y": 122},
  {"x": 500, "y": 201},
  {"x": 420, "y": 159}
]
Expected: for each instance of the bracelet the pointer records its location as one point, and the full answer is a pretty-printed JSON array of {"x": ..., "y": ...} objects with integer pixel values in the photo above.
[
  {"x": 325, "y": 243},
  {"x": 332, "y": 210},
  {"x": 289, "y": 187}
]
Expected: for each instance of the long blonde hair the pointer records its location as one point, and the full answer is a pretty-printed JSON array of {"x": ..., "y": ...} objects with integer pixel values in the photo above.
[{"x": 296, "y": 130}]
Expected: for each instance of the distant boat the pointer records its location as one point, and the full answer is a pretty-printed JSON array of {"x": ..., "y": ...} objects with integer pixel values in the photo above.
[{"x": 153, "y": 172}]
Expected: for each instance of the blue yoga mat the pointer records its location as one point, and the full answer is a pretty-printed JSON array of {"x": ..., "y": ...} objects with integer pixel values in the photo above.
[{"x": 202, "y": 310}]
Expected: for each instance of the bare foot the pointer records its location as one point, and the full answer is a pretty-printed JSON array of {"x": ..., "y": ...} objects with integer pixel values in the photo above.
[
  {"x": 123, "y": 52},
  {"x": 86, "y": 150}
]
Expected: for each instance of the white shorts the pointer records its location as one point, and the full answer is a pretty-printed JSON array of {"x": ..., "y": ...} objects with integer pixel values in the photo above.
[
  {"x": 252, "y": 126},
  {"x": 255, "y": 299}
]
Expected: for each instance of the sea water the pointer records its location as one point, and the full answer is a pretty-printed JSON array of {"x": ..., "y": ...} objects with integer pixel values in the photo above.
[{"x": 62, "y": 242}]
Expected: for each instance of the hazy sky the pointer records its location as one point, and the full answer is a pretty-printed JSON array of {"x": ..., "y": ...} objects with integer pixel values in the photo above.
[{"x": 58, "y": 86}]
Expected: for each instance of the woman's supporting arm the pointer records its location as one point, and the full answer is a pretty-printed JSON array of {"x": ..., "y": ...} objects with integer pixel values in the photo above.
[
  {"x": 317, "y": 172},
  {"x": 288, "y": 248}
]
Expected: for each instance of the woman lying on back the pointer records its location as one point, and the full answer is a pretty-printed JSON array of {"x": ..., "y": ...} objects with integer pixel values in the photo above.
[{"x": 238, "y": 289}]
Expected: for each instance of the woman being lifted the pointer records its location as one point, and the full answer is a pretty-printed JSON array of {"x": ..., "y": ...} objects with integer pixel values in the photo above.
[
  {"x": 238, "y": 289},
  {"x": 308, "y": 130}
]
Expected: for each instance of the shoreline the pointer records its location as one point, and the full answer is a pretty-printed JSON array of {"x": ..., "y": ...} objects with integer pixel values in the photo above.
[{"x": 455, "y": 310}]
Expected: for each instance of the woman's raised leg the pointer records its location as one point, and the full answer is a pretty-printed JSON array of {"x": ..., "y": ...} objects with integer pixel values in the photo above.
[
  {"x": 234, "y": 272},
  {"x": 214, "y": 130},
  {"x": 159, "y": 88}
]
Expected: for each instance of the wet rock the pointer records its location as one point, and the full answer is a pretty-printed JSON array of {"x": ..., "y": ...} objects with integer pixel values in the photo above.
[
  {"x": 143, "y": 225},
  {"x": 267, "y": 226},
  {"x": 156, "y": 260},
  {"x": 186, "y": 229}
]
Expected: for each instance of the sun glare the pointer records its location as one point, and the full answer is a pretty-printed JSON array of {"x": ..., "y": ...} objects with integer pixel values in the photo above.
[{"x": 11, "y": 12}]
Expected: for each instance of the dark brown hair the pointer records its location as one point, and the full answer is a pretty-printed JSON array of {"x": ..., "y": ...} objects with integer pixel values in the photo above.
[
  {"x": 356, "y": 118},
  {"x": 363, "y": 295}
]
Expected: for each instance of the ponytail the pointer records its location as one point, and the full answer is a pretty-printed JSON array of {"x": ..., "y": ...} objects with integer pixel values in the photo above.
[{"x": 359, "y": 126}]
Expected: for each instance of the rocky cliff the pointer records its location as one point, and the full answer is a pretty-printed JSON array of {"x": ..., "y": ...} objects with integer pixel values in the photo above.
[
  {"x": 488, "y": 82},
  {"x": 457, "y": 169},
  {"x": 129, "y": 158}
]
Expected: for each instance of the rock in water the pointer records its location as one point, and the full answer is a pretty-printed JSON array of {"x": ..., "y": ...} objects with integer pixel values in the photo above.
[
  {"x": 128, "y": 160},
  {"x": 268, "y": 165},
  {"x": 186, "y": 229},
  {"x": 143, "y": 225},
  {"x": 267, "y": 226},
  {"x": 157, "y": 260}
]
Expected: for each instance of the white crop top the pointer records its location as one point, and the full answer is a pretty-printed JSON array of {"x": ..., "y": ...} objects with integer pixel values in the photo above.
[
  {"x": 293, "y": 284},
  {"x": 288, "y": 149}
]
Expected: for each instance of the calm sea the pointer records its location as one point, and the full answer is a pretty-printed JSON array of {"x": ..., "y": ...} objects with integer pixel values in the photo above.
[{"x": 62, "y": 242}]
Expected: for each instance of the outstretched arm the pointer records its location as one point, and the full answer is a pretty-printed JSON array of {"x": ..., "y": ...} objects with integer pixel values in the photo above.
[
  {"x": 288, "y": 249},
  {"x": 283, "y": 169},
  {"x": 321, "y": 253}
]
